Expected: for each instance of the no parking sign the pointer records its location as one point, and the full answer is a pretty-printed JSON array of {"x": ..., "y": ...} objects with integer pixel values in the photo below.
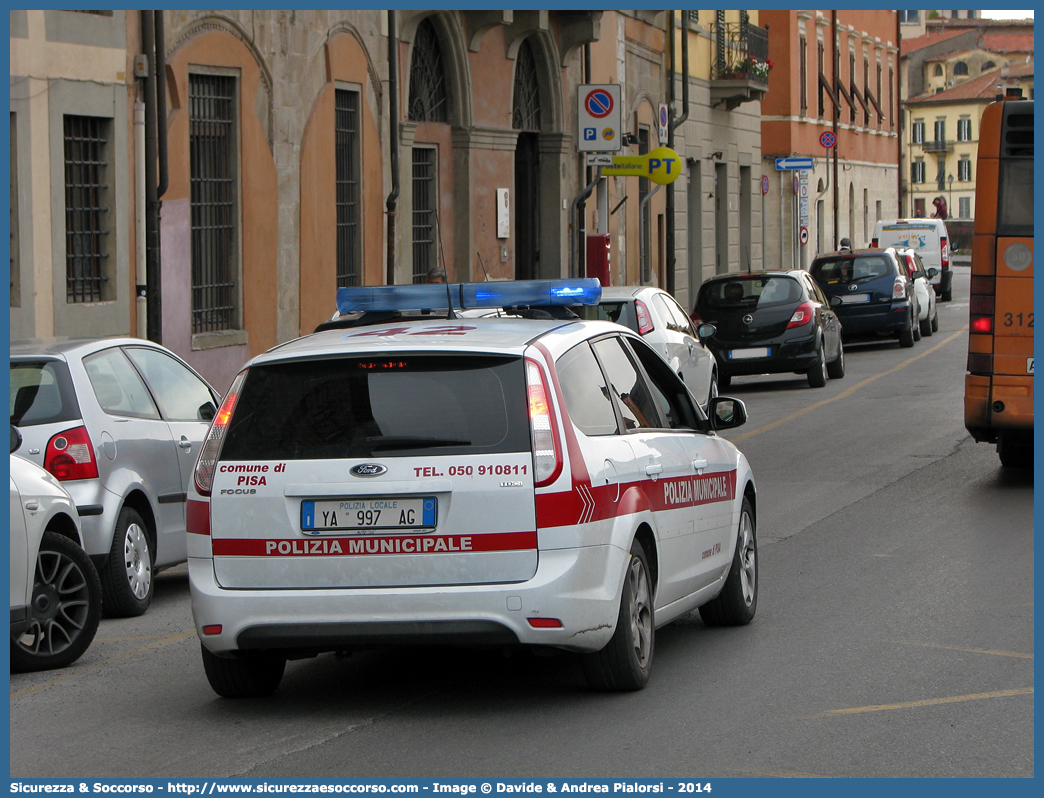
[{"x": 598, "y": 117}]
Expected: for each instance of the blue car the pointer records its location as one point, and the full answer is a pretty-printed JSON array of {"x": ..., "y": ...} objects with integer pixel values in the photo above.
[{"x": 870, "y": 291}]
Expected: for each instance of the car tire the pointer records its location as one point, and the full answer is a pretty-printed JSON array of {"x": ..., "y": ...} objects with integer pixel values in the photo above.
[
  {"x": 906, "y": 337},
  {"x": 926, "y": 328},
  {"x": 724, "y": 381},
  {"x": 737, "y": 602},
  {"x": 65, "y": 608},
  {"x": 1015, "y": 449},
  {"x": 625, "y": 662},
  {"x": 836, "y": 367},
  {"x": 126, "y": 579},
  {"x": 947, "y": 294},
  {"x": 248, "y": 675},
  {"x": 817, "y": 373},
  {"x": 916, "y": 331},
  {"x": 935, "y": 321}
]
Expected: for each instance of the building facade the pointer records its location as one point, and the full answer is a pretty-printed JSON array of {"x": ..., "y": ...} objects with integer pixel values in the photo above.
[
  {"x": 834, "y": 75},
  {"x": 303, "y": 153}
]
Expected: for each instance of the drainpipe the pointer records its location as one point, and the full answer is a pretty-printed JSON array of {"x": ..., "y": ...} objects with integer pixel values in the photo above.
[
  {"x": 154, "y": 324},
  {"x": 161, "y": 107},
  {"x": 393, "y": 132},
  {"x": 141, "y": 285},
  {"x": 898, "y": 116},
  {"x": 837, "y": 112}
]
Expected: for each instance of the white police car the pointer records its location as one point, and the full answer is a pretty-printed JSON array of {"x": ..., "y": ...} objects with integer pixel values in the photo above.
[{"x": 487, "y": 481}]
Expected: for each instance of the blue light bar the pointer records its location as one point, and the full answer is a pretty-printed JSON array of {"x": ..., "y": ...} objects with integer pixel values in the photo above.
[{"x": 509, "y": 293}]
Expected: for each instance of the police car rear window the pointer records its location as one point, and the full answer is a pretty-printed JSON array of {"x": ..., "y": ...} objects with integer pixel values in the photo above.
[{"x": 381, "y": 406}]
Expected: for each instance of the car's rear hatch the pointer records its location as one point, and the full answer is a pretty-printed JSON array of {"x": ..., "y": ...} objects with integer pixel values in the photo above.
[
  {"x": 861, "y": 284},
  {"x": 381, "y": 471},
  {"x": 762, "y": 313}
]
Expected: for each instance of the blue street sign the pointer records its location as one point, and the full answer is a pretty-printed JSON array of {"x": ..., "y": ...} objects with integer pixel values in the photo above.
[{"x": 784, "y": 164}]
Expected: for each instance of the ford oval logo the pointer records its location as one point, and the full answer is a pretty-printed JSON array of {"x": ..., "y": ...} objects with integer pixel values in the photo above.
[{"x": 368, "y": 470}]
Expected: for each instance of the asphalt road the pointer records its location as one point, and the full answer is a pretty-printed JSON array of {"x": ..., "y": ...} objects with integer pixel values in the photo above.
[{"x": 894, "y": 635}]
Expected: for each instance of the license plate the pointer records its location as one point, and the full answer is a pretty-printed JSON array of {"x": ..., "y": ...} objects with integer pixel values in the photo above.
[
  {"x": 741, "y": 354},
  {"x": 350, "y": 515},
  {"x": 850, "y": 299},
  {"x": 1029, "y": 365}
]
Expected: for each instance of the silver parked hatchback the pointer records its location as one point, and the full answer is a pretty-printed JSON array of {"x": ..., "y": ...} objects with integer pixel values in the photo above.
[{"x": 120, "y": 422}]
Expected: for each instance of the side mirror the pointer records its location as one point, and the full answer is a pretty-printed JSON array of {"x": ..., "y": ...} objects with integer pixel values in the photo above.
[
  {"x": 706, "y": 330},
  {"x": 16, "y": 438},
  {"x": 726, "y": 413},
  {"x": 835, "y": 301},
  {"x": 932, "y": 272},
  {"x": 207, "y": 411}
]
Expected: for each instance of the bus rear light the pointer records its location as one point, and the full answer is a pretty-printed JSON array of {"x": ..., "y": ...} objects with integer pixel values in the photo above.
[
  {"x": 645, "y": 324},
  {"x": 982, "y": 324},
  {"x": 801, "y": 317},
  {"x": 70, "y": 455},
  {"x": 983, "y": 285},
  {"x": 547, "y": 457},
  {"x": 982, "y": 305},
  {"x": 206, "y": 466},
  {"x": 980, "y": 364}
]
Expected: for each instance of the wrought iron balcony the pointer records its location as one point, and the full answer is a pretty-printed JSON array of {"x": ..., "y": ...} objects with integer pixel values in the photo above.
[
  {"x": 741, "y": 67},
  {"x": 937, "y": 145}
]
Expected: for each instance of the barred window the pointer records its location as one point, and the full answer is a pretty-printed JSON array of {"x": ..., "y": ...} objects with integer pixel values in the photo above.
[
  {"x": 346, "y": 132},
  {"x": 525, "y": 113},
  {"x": 86, "y": 208},
  {"x": 212, "y": 153},
  {"x": 428, "y": 101},
  {"x": 425, "y": 218}
]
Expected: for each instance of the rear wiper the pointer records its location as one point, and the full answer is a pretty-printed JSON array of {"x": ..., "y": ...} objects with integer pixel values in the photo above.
[{"x": 411, "y": 442}]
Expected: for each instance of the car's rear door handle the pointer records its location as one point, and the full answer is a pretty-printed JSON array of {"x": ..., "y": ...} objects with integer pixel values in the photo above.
[
  {"x": 699, "y": 464},
  {"x": 185, "y": 443},
  {"x": 654, "y": 468}
]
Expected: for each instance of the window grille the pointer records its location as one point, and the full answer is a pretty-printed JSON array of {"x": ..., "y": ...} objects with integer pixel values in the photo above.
[
  {"x": 424, "y": 214},
  {"x": 346, "y": 145},
  {"x": 86, "y": 208},
  {"x": 428, "y": 101},
  {"x": 526, "y": 102},
  {"x": 213, "y": 201}
]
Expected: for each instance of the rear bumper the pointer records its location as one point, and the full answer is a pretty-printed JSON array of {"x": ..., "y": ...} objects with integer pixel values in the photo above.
[
  {"x": 794, "y": 354},
  {"x": 892, "y": 318},
  {"x": 580, "y": 587}
]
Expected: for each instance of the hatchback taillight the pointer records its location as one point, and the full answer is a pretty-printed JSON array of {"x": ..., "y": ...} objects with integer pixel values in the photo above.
[
  {"x": 645, "y": 324},
  {"x": 70, "y": 455},
  {"x": 547, "y": 458},
  {"x": 802, "y": 316},
  {"x": 206, "y": 465},
  {"x": 898, "y": 289}
]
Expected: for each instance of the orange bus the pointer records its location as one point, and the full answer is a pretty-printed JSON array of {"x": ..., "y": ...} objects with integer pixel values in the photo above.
[{"x": 998, "y": 388}]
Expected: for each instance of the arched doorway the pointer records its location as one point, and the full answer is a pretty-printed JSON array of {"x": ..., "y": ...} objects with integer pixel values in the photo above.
[{"x": 525, "y": 117}]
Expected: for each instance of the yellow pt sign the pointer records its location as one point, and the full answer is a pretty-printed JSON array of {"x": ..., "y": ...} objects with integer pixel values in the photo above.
[{"x": 662, "y": 165}]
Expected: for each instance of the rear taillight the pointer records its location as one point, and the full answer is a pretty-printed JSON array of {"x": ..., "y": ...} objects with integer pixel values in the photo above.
[
  {"x": 696, "y": 320},
  {"x": 945, "y": 252},
  {"x": 898, "y": 289},
  {"x": 203, "y": 476},
  {"x": 70, "y": 455},
  {"x": 547, "y": 458},
  {"x": 802, "y": 316},
  {"x": 981, "y": 311},
  {"x": 645, "y": 324}
]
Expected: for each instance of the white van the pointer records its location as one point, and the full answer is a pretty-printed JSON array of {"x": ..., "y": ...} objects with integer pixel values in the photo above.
[{"x": 929, "y": 238}]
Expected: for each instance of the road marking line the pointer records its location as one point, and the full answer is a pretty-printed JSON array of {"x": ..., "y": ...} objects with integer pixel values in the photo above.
[
  {"x": 996, "y": 652},
  {"x": 848, "y": 391},
  {"x": 64, "y": 676},
  {"x": 927, "y": 702}
]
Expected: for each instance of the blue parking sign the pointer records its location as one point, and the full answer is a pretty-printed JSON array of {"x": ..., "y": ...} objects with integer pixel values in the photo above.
[{"x": 589, "y": 134}]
